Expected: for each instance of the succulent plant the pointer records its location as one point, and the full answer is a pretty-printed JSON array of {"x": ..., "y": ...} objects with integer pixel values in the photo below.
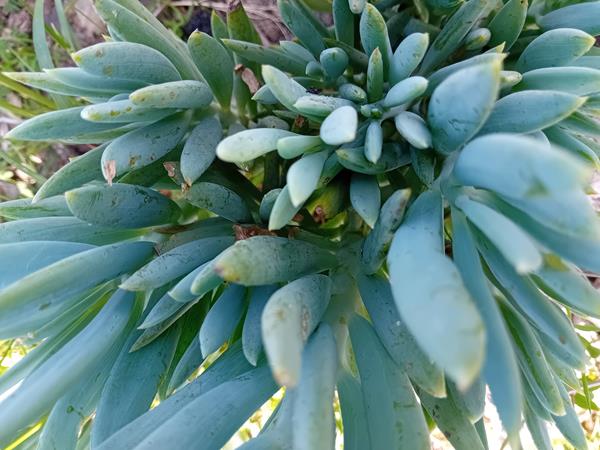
[{"x": 394, "y": 209}]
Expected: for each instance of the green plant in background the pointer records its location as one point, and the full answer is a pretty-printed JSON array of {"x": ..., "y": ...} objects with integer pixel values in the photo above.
[
  {"x": 394, "y": 209},
  {"x": 18, "y": 52}
]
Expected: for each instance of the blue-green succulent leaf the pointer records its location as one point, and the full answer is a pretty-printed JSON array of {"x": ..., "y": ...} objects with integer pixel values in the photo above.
[
  {"x": 53, "y": 378},
  {"x": 290, "y": 316},
  {"x": 126, "y": 60},
  {"x": 500, "y": 370},
  {"x": 529, "y": 111},
  {"x": 461, "y": 104},
  {"x": 313, "y": 418},
  {"x": 340, "y": 126},
  {"x": 214, "y": 63},
  {"x": 263, "y": 260},
  {"x": 222, "y": 319},
  {"x": 122, "y": 206},
  {"x": 514, "y": 244},
  {"x": 581, "y": 16},
  {"x": 365, "y": 197},
  {"x": 250, "y": 144},
  {"x": 132, "y": 383},
  {"x": 174, "y": 94},
  {"x": 251, "y": 333},
  {"x": 574, "y": 80},
  {"x": 378, "y": 241},
  {"x": 303, "y": 176},
  {"x": 176, "y": 263},
  {"x": 143, "y": 146},
  {"x": 407, "y": 56},
  {"x": 424, "y": 291},
  {"x": 384, "y": 386},
  {"x": 376, "y": 294},
  {"x": 555, "y": 48},
  {"x": 414, "y": 129}
]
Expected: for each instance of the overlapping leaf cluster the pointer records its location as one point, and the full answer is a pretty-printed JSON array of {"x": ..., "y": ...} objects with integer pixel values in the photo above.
[{"x": 244, "y": 213}]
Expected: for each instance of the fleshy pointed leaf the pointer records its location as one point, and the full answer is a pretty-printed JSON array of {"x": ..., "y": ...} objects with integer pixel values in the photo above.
[
  {"x": 143, "y": 146},
  {"x": 528, "y": 111},
  {"x": 250, "y": 144},
  {"x": 266, "y": 260},
  {"x": 222, "y": 319},
  {"x": 385, "y": 385},
  {"x": 407, "y": 56},
  {"x": 215, "y": 64},
  {"x": 121, "y": 206},
  {"x": 376, "y": 294},
  {"x": 461, "y": 104},
  {"x": 422, "y": 296},
  {"x": 314, "y": 427},
  {"x": 290, "y": 316},
  {"x": 303, "y": 176},
  {"x": 126, "y": 60},
  {"x": 175, "y": 94},
  {"x": 565, "y": 45}
]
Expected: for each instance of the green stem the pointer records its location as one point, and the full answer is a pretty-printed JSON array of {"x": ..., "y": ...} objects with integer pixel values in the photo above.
[
  {"x": 15, "y": 110},
  {"x": 26, "y": 92}
]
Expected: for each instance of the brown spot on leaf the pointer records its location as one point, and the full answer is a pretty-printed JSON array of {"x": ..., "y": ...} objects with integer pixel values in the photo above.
[
  {"x": 170, "y": 168},
  {"x": 245, "y": 232},
  {"x": 110, "y": 171},
  {"x": 319, "y": 215}
]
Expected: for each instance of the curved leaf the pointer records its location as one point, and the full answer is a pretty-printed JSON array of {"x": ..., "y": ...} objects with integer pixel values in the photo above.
[
  {"x": 51, "y": 126},
  {"x": 176, "y": 262},
  {"x": 429, "y": 294},
  {"x": 581, "y": 16},
  {"x": 218, "y": 199},
  {"x": 50, "y": 380},
  {"x": 290, "y": 316},
  {"x": 122, "y": 206},
  {"x": 222, "y": 319},
  {"x": 508, "y": 23},
  {"x": 314, "y": 426},
  {"x": 500, "y": 370},
  {"x": 528, "y": 111},
  {"x": 385, "y": 387},
  {"x": 263, "y": 260},
  {"x": 143, "y": 146},
  {"x": 250, "y": 144},
  {"x": 407, "y": 56},
  {"x": 303, "y": 176},
  {"x": 553, "y": 48},
  {"x": 374, "y": 35},
  {"x": 376, "y": 294},
  {"x": 132, "y": 384},
  {"x": 365, "y": 197},
  {"x": 378, "y": 241},
  {"x": 514, "y": 244},
  {"x": 461, "y": 104},
  {"x": 215, "y": 64},
  {"x": 126, "y": 60},
  {"x": 174, "y": 94},
  {"x": 251, "y": 333}
]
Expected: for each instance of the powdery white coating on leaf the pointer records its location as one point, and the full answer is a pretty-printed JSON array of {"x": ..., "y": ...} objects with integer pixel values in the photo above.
[
  {"x": 460, "y": 105},
  {"x": 429, "y": 296},
  {"x": 250, "y": 144},
  {"x": 266, "y": 260},
  {"x": 289, "y": 317},
  {"x": 340, "y": 126}
]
